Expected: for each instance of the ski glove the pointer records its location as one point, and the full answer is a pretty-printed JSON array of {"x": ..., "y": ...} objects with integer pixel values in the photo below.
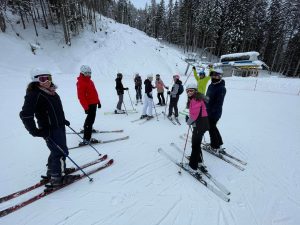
[
  {"x": 169, "y": 92},
  {"x": 190, "y": 121},
  {"x": 86, "y": 111},
  {"x": 194, "y": 68},
  {"x": 126, "y": 89},
  {"x": 67, "y": 123},
  {"x": 99, "y": 105}
]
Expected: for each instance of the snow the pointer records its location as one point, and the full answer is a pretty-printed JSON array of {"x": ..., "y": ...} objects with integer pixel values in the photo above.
[{"x": 260, "y": 125}]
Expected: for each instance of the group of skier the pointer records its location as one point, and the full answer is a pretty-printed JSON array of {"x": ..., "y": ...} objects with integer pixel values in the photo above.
[{"x": 43, "y": 103}]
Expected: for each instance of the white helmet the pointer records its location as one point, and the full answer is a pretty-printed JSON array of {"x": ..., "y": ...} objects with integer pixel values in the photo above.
[
  {"x": 150, "y": 76},
  {"x": 191, "y": 86},
  {"x": 218, "y": 71},
  {"x": 85, "y": 70},
  {"x": 37, "y": 72}
]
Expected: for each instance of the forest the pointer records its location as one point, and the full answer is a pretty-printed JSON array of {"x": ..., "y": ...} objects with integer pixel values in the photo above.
[{"x": 270, "y": 27}]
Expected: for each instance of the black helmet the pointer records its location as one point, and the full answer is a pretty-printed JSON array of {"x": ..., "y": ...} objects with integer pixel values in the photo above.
[{"x": 119, "y": 75}]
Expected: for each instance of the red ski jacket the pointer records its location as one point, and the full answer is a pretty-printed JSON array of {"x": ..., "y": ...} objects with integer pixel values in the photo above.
[{"x": 86, "y": 91}]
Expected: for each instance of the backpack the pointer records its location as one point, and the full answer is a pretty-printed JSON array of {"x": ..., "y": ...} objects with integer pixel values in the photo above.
[{"x": 180, "y": 89}]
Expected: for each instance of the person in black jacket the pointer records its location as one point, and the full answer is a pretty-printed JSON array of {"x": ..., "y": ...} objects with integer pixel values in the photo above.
[
  {"x": 148, "y": 98},
  {"x": 43, "y": 103},
  {"x": 216, "y": 92},
  {"x": 120, "y": 91},
  {"x": 138, "y": 88}
]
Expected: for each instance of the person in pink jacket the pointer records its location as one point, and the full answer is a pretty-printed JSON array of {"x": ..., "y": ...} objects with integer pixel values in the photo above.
[
  {"x": 197, "y": 118},
  {"x": 160, "y": 86}
]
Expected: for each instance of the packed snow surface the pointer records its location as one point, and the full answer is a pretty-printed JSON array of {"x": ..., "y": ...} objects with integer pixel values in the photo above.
[{"x": 260, "y": 124}]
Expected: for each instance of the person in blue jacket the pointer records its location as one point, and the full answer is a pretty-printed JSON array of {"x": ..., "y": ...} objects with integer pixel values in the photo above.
[{"x": 216, "y": 93}]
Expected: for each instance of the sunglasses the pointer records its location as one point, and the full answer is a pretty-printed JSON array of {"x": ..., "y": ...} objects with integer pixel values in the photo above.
[{"x": 43, "y": 78}]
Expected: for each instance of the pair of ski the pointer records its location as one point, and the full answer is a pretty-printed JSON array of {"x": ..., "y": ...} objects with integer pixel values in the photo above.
[
  {"x": 95, "y": 141},
  {"x": 125, "y": 112},
  {"x": 174, "y": 121},
  {"x": 218, "y": 189},
  {"x": 49, "y": 191},
  {"x": 144, "y": 120},
  {"x": 98, "y": 131},
  {"x": 223, "y": 155}
]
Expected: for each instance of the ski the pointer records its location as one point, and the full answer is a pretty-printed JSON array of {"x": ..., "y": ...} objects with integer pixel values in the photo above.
[
  {"x": 43, "y": 194},
  {"x": 43, "y": 182},
  {"x": 177, "y": 121},
  {"x": 98, "y": 131},
  {"x": 128, "y": 112},
  {"x": 171, "y": 120},
  {"x": 220, "y": 156},
  {"x": 223, "y": 152},
  {"x": 101, "y": 142},
  {"x": 208, "y": 175},
  {"x": 145, "y": 118},
  {"x": 197, "y": 176}
]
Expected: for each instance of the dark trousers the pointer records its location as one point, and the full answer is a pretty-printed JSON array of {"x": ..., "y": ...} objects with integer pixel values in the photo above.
[
  {"x": 57, "y": 160},
  {"x": 173, "y": 104},
  {"x": 161, "y": 98},
  {"x": 119, "y": 105},
  {"x": 89, "y": 121},
  {"x": 215, "y": 136},
  {"x": 138, "y": 90},
  {"x": 196, "y": 155}
]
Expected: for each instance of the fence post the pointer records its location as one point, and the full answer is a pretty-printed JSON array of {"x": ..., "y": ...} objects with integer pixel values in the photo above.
[{"x": 255, "y": 85}]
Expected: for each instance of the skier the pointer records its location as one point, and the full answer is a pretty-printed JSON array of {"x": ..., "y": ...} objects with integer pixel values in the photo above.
[
  {"x": 202, "y": 80},
  {"x": 138, "y": 87},
  {"x": 120, "y": 91},
  {"x": 88, "y": 98},
  {"x": 176, "y": 90},
  {"x": 216, "y": 92},
  {"x": 199, "y": 120},
  {"x": 43, "y": 104},
  {"x": 148, "y": 99},
  {"x": 159, "y": 84}
]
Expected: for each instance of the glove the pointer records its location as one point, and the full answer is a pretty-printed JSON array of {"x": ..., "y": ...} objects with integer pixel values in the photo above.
[
  {"x": 67, "y": 123},
  {"x": 86, "y": 111},
  {"x": 186, "y": 118},
  {"x": 99, "y": 105},
  {"x": 194, "y": 68},
  {"x": 167, "y": 88},
  {"x": 169, "y": 92},
  {"x": 126, "y": 89},
  {"x": 190, "y": 121}
]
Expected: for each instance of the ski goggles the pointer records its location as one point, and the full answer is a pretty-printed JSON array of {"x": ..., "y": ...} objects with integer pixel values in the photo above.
[
  {"x": 43, "y": 78},
  {"x": 190, "y": 90}
]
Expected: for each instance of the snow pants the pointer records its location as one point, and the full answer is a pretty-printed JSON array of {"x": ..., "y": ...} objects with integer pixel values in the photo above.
[
  {"x": 148, "y": 105},
  {"x": 89, "y": 121},
  {"x": 161, "y": 98},
  {"x": 138, "y": 90},
  {"x": 215, "y": 136},
  {"x": 119, "y": 105},
  {"x": 196, "y": 155},
  {"x": 173, "y": 104},
  {"x": 57, "y": 159}
]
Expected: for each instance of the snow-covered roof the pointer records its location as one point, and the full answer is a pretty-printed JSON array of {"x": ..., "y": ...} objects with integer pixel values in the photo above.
[{"x": 251, "y": 54}]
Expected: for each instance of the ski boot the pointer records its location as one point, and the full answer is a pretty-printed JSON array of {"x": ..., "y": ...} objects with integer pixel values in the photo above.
[
  {"x": 150, "y": 117},
  {"x": 202, "y": 167},
  {"x": 84, "y": 142},
  {"x": 143, "y": 116}
]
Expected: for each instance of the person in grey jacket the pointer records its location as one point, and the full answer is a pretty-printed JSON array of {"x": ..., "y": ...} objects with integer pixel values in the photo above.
[{"x": 176, "y": 90}]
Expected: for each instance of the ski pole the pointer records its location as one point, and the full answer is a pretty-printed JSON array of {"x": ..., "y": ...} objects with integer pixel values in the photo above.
[
  {"x": 166, "y": 107},
  {"x": 187, "y": 77},
  {"x": 90, "y": 179},
  {"x": 125, "y": 108},
  {"x": 155, "y": 110},
  {"x": 88, "y": 143},
  {"x": 187, "y": 136},
  {"x": 130, "y": 100}
]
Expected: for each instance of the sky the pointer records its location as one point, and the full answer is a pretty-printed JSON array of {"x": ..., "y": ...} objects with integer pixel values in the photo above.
[{"x": 140, "y": 3}]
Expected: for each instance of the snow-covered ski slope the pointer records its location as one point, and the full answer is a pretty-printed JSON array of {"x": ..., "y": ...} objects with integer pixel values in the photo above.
[{"x": 261, "y": 127}]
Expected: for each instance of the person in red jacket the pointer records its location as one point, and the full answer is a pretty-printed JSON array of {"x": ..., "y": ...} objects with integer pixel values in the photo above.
[{"x": 88, "y": 98}]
